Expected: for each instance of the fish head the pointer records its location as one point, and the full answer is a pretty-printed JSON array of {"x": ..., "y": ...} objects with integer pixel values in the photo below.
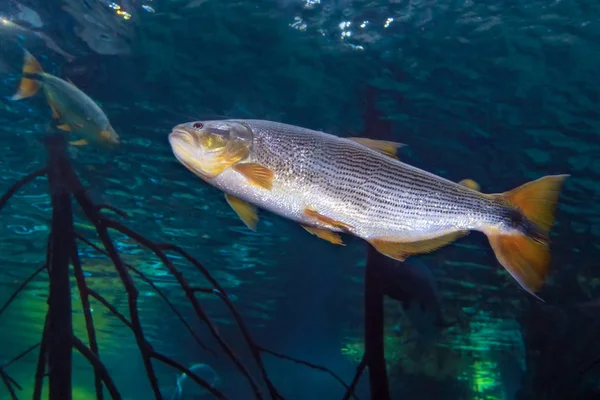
[
  {"x": 109, "y": 136},
  {"x": 207, "y": 148}
]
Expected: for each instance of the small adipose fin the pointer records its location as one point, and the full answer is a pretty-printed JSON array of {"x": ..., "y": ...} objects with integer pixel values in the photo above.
[
  {"x": 28, "y": 86},
  {"x": 256, "y": 174},
  {"x": 246, "y": 211},
  {"x": 401, "y": 250},
  {"x": 331, "y": 237},
  {"x": 80, "y": 142},
  {"x": 471, "y": 184},
  {"x": 382, "y": 146},
  {"x": 326, "y": 220}
]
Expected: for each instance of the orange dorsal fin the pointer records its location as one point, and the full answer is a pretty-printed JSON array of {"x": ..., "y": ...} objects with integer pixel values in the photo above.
[{"x": 382, "y": 146}]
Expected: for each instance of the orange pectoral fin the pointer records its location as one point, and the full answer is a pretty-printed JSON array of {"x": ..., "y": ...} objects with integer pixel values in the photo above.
[
  {"x": 256, "y": 174},
  {"x": 400, "y": 250}
]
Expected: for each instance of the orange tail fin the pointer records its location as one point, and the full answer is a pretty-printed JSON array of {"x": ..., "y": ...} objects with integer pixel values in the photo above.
[
  {"x": 526, "y": 259},
  {"x": 28, "y": 87}
]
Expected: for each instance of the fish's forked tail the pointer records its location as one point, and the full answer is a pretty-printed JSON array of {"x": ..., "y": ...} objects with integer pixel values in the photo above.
[
  {"x": 28, "y": 86},
  {"x": 526, "y": 256}
]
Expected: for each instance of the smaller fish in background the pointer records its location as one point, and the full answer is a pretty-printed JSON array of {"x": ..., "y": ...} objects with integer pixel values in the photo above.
[
  {"x": 72, "y": 110},
  {"x": 191, "y": 389}
]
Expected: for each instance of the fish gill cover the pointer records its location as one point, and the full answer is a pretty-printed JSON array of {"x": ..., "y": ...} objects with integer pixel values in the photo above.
[{"x": 498, "y": 92}]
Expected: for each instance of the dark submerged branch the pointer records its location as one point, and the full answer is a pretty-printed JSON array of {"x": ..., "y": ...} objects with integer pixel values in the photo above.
[
  {"x": 87, "y": 313},
  {"x": 17, "y": 186},
  {"x": 41, "y": 364},
  {"x": 132, "y": 293},
  {"x": 190, "y": 296},
  {"x": 99, "y": 368},
  {"x": 21, "y": 355},
  {"x": 155, "y": 354},
  {"x": 9, "y": 382},
  {"x": 374, "y": 355},
  {"x": 21, "y": 288},
  {"x": 359, "y": 371},
  {"x": 349, "y": 389},
  {"x": 59, "y": 329},
  {"x": 120, "y": 213},
  {"x": 158, "y": 291}
]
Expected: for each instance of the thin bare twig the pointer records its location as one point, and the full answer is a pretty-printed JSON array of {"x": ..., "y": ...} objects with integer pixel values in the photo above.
[
  {"x": 9, "y": 382},
  {"x": 87, "y": 314},
  {"x": 21, "y": 288},
  {"x": 155, "y": 354},
  {"x": 311, "y": 365},
  {"x": 158, "y": 291},
  {"x": 41, "y": 364},
  {"x": 132, "y": 293},
  {"x": 359, "y": 371},
  {"x": 22, "y": 182},
  {"x": 101, "y": 207},
  {"x": 21, "y": 355},
  {"x": 190, "y": 295},
  {"x": 99, "y": 368}
]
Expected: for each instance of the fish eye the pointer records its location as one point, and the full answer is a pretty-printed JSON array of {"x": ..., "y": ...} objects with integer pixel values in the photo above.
[{"x": 198, "y": 125}]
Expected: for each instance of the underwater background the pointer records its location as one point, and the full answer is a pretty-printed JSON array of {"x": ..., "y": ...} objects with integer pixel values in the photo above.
[{"x": 501, "y": 92}]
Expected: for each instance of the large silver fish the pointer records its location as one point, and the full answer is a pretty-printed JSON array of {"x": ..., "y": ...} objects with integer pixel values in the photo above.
[{"x": 330, "y": 184}]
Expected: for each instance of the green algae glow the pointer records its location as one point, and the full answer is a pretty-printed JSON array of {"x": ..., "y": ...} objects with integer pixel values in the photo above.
[{"x": 485, "y": 378}]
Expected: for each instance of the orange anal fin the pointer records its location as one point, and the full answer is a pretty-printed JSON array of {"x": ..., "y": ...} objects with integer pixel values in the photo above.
[
  {"x": 325, "y": 234},
  {"x": 256, "y": 174},
  {"x": 246, "y": 211},
  {"x": 382, "y": 146},
  {"x": 28, "y": 86},
  {"x": 537, "y": 200},
  {"x": 80, "y": 142},
  {"x": 401, "y": 250},
  {"x": 326, "y": 220},
  {"x": 525, "y": 259},
  {"x": 471, "y": 184},
  {"x": 55, "y": 113}
]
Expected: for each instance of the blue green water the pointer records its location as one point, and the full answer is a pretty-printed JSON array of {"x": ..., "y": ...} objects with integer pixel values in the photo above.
[{"x": 499, "y": 92}]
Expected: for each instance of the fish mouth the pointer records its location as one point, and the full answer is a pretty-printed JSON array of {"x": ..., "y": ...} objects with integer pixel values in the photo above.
[{"x": 180, "y": 135}]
